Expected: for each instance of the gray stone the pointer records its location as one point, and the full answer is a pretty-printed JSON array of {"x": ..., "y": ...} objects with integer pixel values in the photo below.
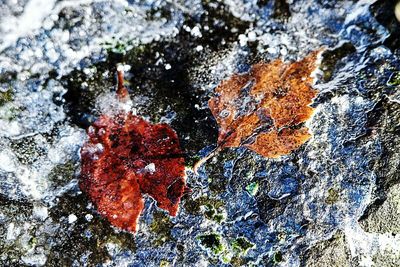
[
  {"x": 385, "y": 218},
  {"x": 332, "y": 253}
]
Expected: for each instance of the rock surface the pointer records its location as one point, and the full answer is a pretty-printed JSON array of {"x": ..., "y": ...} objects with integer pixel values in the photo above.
[{"x": 333, "y": 201}]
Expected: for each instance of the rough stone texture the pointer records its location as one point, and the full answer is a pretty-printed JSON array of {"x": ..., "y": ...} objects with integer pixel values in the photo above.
[
  {"x": 332, "y": 252},
  {"x": 385, "y": 217},
  {"x": 386, "y": 259},
  {"x": 57, "y": 74}
]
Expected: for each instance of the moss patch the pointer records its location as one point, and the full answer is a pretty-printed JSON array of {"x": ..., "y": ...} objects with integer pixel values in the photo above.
[
  {"x": 332, "y": 196},
  {"x": 213, "y": 242},
  {"x": 394, "y": 79},
  {"x": 252, "y": 188},
  {"x": 161, "y": 226},
  {"x": 241, "y": 245},
  {"x": 212, "y": 208},
  {"x": 277, "y": 257},
  {"x": 6, "y": 97},
  {"x": 62, "y": 173},
  {"x": 118, "y": 46}
]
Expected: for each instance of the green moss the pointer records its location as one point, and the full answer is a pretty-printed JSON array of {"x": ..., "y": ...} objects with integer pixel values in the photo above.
[
  {"x": 252, "y": 188},
  {"x": 277, "y": 257},
  {"x": 214, "y": 208},
  {"x": 117, "y": 46},
  {"x": 332, "y": 197},
  {"x": 226, "y": 258},
  {"x": 213, "y": 242},
  {"x": 394, "y": 79},
  {"x": 161, "y": 226},
  {"x": 237, "y": 261},
  {"x": 193, "y": 206},
  {"x": 6, "y": 97},
  {"x": 33, "y": 242},
  {"x": 241, "y": 245},
  {"x": 164, "y": 263},
  {"x": 122, "y": 240},
  {"x": 214, "y": 213}
]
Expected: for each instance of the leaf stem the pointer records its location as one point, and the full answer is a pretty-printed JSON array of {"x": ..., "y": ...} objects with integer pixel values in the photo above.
[
  {"x": 197, "y": 165},
  {"x": 122, "y": 92}
]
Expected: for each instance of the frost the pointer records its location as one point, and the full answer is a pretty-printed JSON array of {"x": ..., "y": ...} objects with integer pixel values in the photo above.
[
  {"x": 12, "y": 232},
  {"x": 251, "y": 36},
  {"x": 35, "y": 260},
  {"x": 30, "y": 20},
  {"x": 195, "y": 31},
  {"x": 150, "y": 167},
  {"x": 199, "y": 48},
  {"x": 72, "y": 218},
  {"x": 302, "y": 199},
  {"x": 6, "y": 162},
  {"x": 40, "y": 212},
  {"x": 88, "y": 217}
]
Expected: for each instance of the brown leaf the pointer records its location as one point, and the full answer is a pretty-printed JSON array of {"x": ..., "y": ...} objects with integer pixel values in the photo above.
[{"x": 264, "y": 109}]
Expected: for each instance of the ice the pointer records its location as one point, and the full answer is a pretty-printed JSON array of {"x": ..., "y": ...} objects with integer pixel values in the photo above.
[
  {"x": 72, "y": 218},
  {"x": 302, "y": 199},
  {"x": 40, "y": 212},
  {"x": 151, "y": 167}
]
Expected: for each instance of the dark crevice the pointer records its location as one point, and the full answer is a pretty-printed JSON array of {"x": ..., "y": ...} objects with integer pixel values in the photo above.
[{"x": 383, "y": 11}]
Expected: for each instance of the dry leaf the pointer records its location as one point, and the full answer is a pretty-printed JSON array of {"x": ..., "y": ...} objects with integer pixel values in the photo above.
[{"x": 264, "y": 109}]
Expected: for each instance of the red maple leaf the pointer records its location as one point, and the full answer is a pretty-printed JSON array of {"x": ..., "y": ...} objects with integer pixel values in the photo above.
[{"x": 126, "y": 157}]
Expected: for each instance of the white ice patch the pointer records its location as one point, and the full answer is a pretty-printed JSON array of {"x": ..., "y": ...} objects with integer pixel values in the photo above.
[
  {"x": 40, "y": 212},
  {"x": 31, "y": 19},
  {"x": 34, "y": 259},
  {"x": 32, "y": 178},
  {"x": 88, "y": 217},
  {"x": 72, "y": 218},
  {"x": 196, "y": 32},
  {"x": 7, "y": 162},
  {"x": 151, "y": 168},
  {"x": 110, "y": 104}
]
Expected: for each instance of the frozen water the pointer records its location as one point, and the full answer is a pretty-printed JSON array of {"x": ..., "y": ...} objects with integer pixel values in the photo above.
[{"x": 302, "y": 199}]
